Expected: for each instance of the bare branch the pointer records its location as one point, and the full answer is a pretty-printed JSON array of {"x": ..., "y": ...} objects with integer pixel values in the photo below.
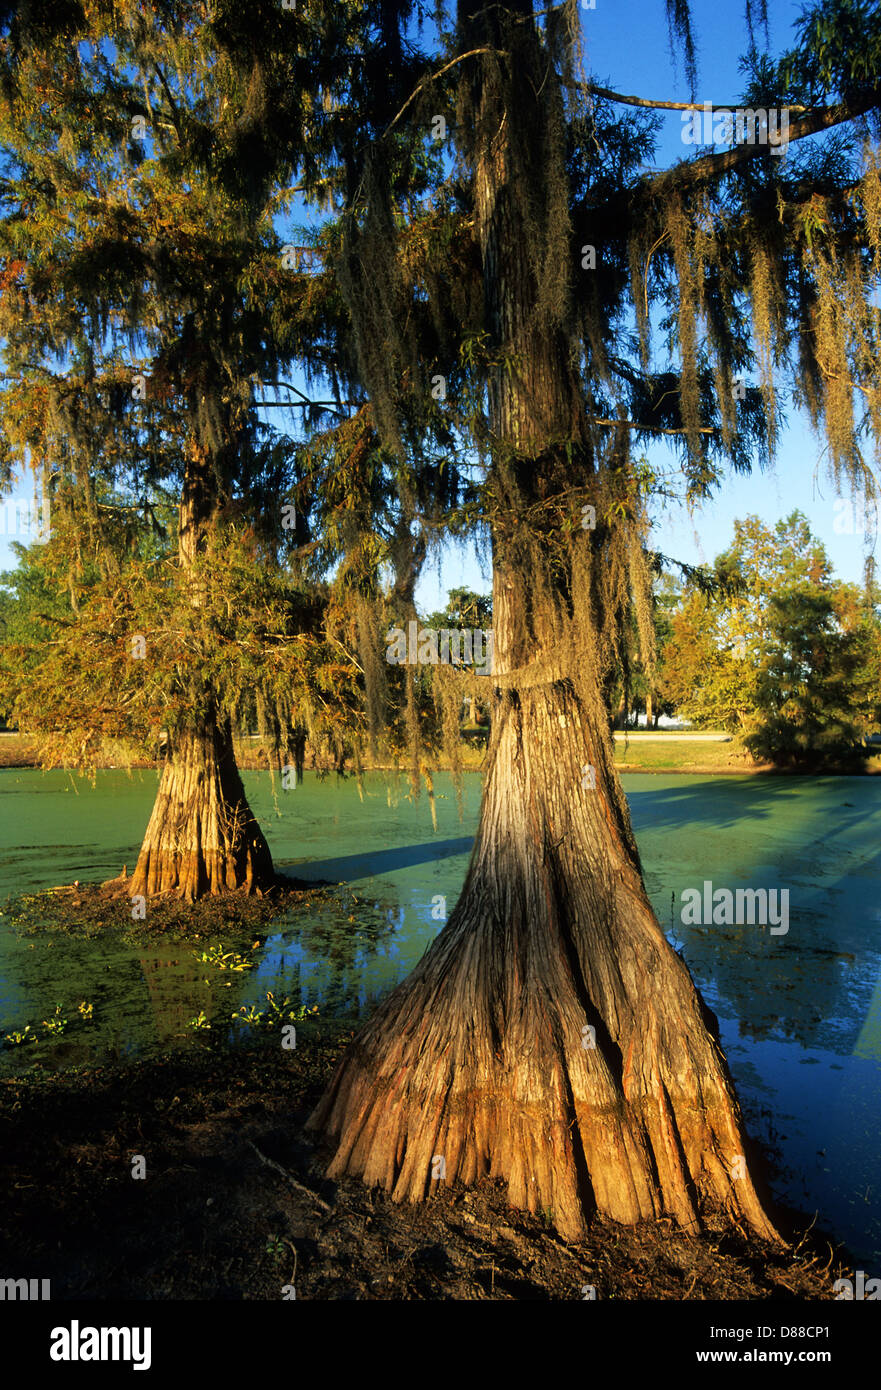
[
  {"x": 303, "y": 405},
  {"x": 433, "y": 76},
  {"x": 175, "y": 113},
  {"x": 665, "y": 105},
  {"x": 655, "y": 429},
  {"x": 303, "y": 402},
  {"x": 289, "y": 1178}
]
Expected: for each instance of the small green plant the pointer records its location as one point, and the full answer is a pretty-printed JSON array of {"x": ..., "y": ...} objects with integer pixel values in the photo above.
[
  {"x": 86, "y": 1011},
  {"x": 275, "y": 1247},
  {"x": 56, "y": 1024},
  {"x": 276, "y": 1012},
  {"x": 248, "y": 1015},
  {"x": 223, "y": 960},
  {"x": 16, "y": 1038},
  {"x": 200, "y": 1022}
]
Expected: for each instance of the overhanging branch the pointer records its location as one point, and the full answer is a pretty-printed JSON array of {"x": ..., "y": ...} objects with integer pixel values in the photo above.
[
  {"x": 625, "y": 100},
  {"x": 712, "y": 165},
  {"x": 655, "y": 429},
  {"x": 433, "y": 76}
]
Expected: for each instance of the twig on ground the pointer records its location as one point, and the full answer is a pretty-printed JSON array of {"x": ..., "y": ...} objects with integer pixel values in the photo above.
[{"x": 277, "y": 1168}]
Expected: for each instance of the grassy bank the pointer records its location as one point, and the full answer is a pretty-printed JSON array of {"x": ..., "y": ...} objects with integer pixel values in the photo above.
[
  {"x": 633, "y": 753},
  {"x": 683, "y": 753}
]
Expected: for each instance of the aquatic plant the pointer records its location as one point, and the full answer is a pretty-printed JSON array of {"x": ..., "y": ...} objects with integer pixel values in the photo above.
[
  {"x": 275, "y": 1247},
  {"x": 16, "y": 1038},
  {"x": 248, "y": 1015},
  {"x": 223, "y": 960},
  {"x": 275, "y": 1014}
]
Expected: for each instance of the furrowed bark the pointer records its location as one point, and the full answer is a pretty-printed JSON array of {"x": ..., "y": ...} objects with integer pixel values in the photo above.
[
  {"x": 550, "y": 1036},
  {"x": 202, "y": 837}
]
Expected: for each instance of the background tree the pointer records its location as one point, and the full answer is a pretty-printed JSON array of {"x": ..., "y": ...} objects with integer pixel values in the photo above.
[
  {"x": 140, "y": 307},
  {"x": 777, "y": 651},
  {"x": 465, "y": 611},
  {"x": 706, "y": 680},
  {"x": 813, "y": 685}
]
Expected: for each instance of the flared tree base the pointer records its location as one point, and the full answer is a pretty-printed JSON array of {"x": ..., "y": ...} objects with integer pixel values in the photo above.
[
  {"x": 202, "y": 838},
  {"x": 550, "y": 1036}
]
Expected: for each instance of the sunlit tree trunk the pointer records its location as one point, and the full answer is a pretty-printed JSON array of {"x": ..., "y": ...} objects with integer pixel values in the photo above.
[{"x": 550, "y": 1036}]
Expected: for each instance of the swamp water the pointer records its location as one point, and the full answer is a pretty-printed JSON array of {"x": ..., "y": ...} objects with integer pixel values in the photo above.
[{"x": 800, "y": 1011}]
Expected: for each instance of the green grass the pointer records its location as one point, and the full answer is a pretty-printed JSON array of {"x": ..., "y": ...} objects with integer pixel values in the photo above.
[{"x": 682, "y": 754}]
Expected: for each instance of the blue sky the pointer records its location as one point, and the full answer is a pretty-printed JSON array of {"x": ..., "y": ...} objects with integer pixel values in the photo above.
[{"x": 626, "y": 48}]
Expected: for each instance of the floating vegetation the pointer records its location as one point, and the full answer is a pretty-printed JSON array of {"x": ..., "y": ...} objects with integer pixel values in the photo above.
[
  {"x": 55, "y": 1026},
  {"x": 276, "y": 1013},
  {"x": 87, "y": 911},
  {"x": 224, "y": 960}
]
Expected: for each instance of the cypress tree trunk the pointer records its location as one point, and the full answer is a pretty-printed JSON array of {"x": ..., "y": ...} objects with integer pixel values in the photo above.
[
  {"x": 550, "y": 1036},
  {"x": 621, "y": 712},
  {"x": 202, "y": 837}
]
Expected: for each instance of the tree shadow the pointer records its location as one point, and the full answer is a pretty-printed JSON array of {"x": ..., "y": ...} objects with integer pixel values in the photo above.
[
  {"x": 815, "y": 983},
  {"x": 373, "y": 863},
  {"x": 726, "y": 801}
]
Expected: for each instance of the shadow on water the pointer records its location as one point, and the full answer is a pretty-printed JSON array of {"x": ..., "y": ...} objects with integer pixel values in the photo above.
[
  {"x": 349, "y": 867},
  {"x": 800, "y": 1012},
  {"x": 723, "y": 801},
  {"x": 818, "y": 840}
]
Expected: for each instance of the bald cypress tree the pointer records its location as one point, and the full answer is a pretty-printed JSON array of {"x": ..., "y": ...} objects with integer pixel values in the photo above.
[
  {"x": 551, "y": 1036},
  {"x": 141, "y": 310}
]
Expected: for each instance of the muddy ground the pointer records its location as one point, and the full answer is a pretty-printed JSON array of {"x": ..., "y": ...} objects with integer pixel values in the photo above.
[{"x": 234, "y": 1204}]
